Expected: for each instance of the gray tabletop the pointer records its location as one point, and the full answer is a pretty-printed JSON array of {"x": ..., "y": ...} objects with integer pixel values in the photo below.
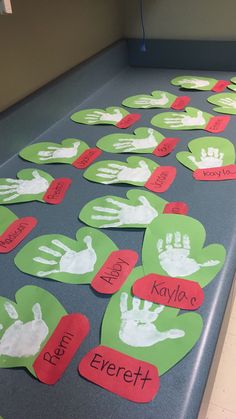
[{"x": 212, "y": 203}]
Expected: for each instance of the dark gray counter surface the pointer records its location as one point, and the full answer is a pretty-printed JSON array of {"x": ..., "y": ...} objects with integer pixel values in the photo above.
[{"x": 23, "y": 397}]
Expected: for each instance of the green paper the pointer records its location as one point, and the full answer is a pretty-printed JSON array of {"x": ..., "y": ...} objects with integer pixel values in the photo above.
[
  {"x": 7, "y": 217},
  {"x": 226, "y": 103},
  {"x": 194, "y": 82},
  {"x": 66, "y": 260},
  {"x": 135, "y": 172},
  {"x": 193, "y": 118},
  {"x": 144, "y": 140},
  {"x": 173, "y": 246},
  {"x": 47, "y": 152},
  {"x": 149, "y": 332},
  {"x": 137, "y": 211},
  {"x": 37, "y": 312},
  {"x": 110, "y": 116},
  {"x": 30, "y": 186},
  {"x": 232, "y": 86},
  {"x": 157, "y": 99},
  {"x": 207, "y": 152}
]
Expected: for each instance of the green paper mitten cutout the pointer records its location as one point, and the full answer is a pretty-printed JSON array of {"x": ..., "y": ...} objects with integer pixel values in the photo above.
[
  {"x": 47, "y": 152},
  {"x": 31, "y": 185},
  {"x": 173, "y": 246},
  {"x": 226, "y": 103},
  {"x": 137, "y": 211},
  {"x": 7, "y": 217},
  {"x": 207, "y": 152},
  {"x": 194, "y": 82},
  {"x": 157, "y": 99},
  {"x": 66, "y": 260},
  {"x": 26, "y": 326},
  {"x": 144, "y": 140},
  {"x": 192, "y": 118},
  {"x": 135, "y": 172},
  {"x": 147, "y": 331},
  {"x": 232, "y": 86},
  {"x": 108, "y": 116}
]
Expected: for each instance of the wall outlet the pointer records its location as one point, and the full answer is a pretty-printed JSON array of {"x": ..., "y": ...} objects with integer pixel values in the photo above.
[{"x": 5, "y": 6}]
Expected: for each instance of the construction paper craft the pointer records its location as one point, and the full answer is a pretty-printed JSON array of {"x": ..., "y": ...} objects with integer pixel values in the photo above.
[
  {"x": 232, "y": 86},
  {"x": 226, "y": 103},
  {"x": 137, "y": 171},
  {"x": 173, "y": 246},
  {"x": 192, "y": 118},
  {"x": 216, "y": 174},
  {"x": 176, "y": 208},
  {"x": 207, "y": 152},
  {"x": 137, "y": 211},
  {"x": 121, "y": 374},
  {"x": 33, "y": 185},
  {"x": 13, "y": 229},
  {"x": 77, "y": 261},
  {"x": 157, "y": 99},
  {"x": 70, "y": 151},
  {"x": 30, "y": 323},
  {"x": 210, "y": 153},
  {"x": 169, "y": 291},
  {"x": 144, "y": 140},
  {"x": 200, "y": 83},
  {"x": 113, "y": 115},
  {"x": 146, "y": 332}
]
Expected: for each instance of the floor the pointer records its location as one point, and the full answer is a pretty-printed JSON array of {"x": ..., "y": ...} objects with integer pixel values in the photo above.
[{"x": 223, "y": 401}]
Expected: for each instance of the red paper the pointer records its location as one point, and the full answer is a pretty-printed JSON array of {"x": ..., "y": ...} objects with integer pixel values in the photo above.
[
  {"x": 15, "y": 233},
  {"x": 61, "y": 347},
  {"x": 161, "y": 179},
  {"x": 114, "y": 272},
  {"x": 86, "y": 158},
  {"x": 173, "y": 292},
  {"x": 180, "y": 103},
  {"x": 56, "y": 191},
  {"x": 217, "y": 124},
  {"x": 216, "y": 173},
  {"x": 176, "y": 208},
  {"x": 128, "y": 120},
  {"x": 220, "y": 86},
  {"x": 121, "y": 374},
  {"x": 166, "y": 147}
]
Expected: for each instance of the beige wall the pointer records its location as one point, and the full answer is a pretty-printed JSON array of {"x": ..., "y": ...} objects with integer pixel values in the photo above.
[
  {"x": 44, "y": 38},
  {"x": 183, "y": 19}
]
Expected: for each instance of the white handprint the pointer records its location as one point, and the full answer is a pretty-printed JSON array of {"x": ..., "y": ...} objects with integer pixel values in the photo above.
[
  {"x": 209, "y": 158},
  {"x": 174, "y": 258},
  {"x": 228, "y": 103},
  {"x": 194, "y": 83},
  {"x": 97, "y": 116},
  {"x": 126, "y": 214},
  {"x": 128, "y": 144},
  {"x": 71, "y": 262},
  {"x": 137, "y": 328},
  {"x": 146, "y": 102},
  {"x": 59, "y": 152},
  {"x": 118, "y": 173},
  {"x": 19, "y": 187},
  {"x": 181, "y": 120},
  {"x": 23, "y": 340}
]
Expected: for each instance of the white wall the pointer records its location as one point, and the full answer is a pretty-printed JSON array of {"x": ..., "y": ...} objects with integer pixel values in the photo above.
[
  {"x": 182, "y": 19},
  {"x": 44, "y": 38}
]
